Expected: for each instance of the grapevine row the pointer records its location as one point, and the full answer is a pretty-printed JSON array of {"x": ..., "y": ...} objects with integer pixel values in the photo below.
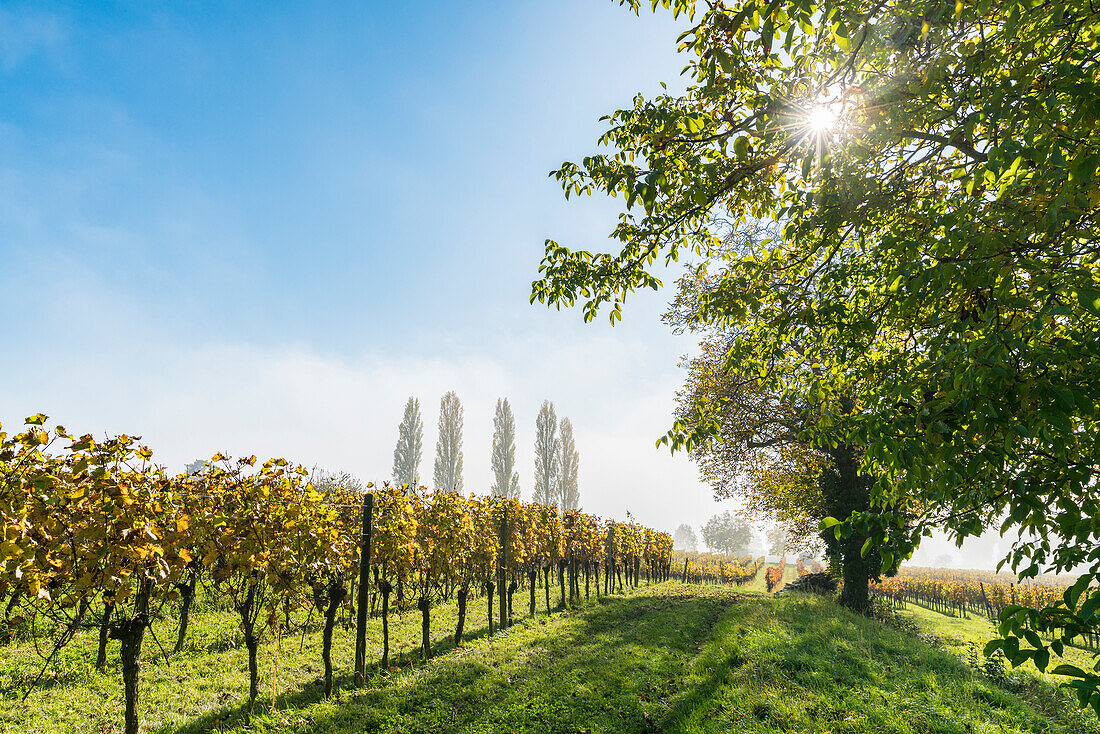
[
  {"x": 716, "y": 568},
  {"x": 956, "y": 596},
  {"x": 95, "y": 526},
  {"x": 773, "y": 577}
]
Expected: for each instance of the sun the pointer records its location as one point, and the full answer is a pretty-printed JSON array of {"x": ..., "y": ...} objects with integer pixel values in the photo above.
[{"x": 821, "y": 119}]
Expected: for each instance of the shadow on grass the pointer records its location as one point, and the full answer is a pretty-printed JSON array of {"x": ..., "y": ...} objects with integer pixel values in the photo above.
[
  {"x": 313, "y": 692},
  {"x": 611, "y": 666},
  {"x": 802, "y": 664}
]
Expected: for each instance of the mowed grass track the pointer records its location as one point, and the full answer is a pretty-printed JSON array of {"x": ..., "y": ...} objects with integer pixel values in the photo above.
[{"x": 669, "y": 658}]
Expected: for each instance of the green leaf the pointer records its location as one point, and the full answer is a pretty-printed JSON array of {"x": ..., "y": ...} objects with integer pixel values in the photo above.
[
  {"x": 1089, "y": 298},
  {"x": 1069, "y": 670},
  {"x": 741, "y": 147}
]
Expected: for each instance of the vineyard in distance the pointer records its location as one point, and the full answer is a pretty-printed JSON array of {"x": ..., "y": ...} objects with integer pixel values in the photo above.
[{"x": 242, "y": 598}]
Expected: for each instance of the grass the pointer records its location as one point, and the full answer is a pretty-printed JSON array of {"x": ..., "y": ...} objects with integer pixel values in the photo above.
[{"x": 669, "y": 658}]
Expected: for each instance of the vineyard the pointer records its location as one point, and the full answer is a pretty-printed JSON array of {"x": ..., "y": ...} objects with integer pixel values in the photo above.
[
  {"x": 97, "y": 537},
  {"x": 691, "y": 567},
  {"x": 716, "y": 568},
  {"x": 807, "y": 566},
  {"x": 955, "y": 592}
]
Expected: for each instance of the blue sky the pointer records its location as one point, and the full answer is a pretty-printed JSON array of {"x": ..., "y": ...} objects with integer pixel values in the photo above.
[
  {"x": 259, "y": 227},
  {"x": 290, "y": 171}
]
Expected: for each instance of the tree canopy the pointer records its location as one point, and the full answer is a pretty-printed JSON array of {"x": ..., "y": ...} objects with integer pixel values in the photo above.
[
  {"x": 410, "y": 446},
  {"x": 569, "y": 463},
  {"x": 727, "y": 534},
  {"x": 685, "y": 538},
  {"x": 505, "y": 476},
  {"x": 547, "y": 455},
  {"x": 447, "y": 474},
  {"x": 930, "y": 171}
]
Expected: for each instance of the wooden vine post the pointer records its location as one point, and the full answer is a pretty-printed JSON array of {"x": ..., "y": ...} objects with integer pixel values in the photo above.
[
  {"x": 364, "y": 590},
  {"x": 502, "y": 573},
  {"x": 610, "y": 559}
]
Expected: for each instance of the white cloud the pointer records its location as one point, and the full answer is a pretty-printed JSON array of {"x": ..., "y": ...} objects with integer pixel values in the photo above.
[{"x": 342, "y": 413}]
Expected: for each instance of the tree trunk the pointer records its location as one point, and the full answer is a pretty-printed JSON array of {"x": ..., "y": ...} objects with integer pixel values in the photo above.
[
  {"x": 463, "y": 595},
  {"x": 546, "y": 586},
  {"x": 187, "y": 595},
  {"x": 489, "y": 586},
  {"x": 847, "y": 491},
  {"x": 253, "y": 645},
  {"x": 574, "y": 580},
  {"x": 424, "y": 604},
  {"x": 532, "y": 578},
  {"x": 385, "y": 588},
  {"x": 248, "y": 626},
  {"x": 336, "y": 595},
  {"x": 104, "y": 634},
  {"x": 131, "y": 632},
  {"x": 561, "y": 581},
  {"x": 511, "y": 590}
]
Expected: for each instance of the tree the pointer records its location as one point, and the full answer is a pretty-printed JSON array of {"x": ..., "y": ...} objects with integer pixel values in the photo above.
[
  {"x": 448, "y": 447},
  {"x": 569, "y": 460},
  {"x": 329, "y": 482},
  {"x": 943, "y": 560},
  {"x": 198, "y": 466},
  {"x": 410, "y": 443},
  {"x": 505, "y": 476},
  {"x": 685, "y": 538},
  {"x": 931, "y": 169},
  {"x": 546, "y": 455},
  {"x": 777, "y": 540},
  {"x": 750, "y": 439},
  {"x": 728, "y": 534}
]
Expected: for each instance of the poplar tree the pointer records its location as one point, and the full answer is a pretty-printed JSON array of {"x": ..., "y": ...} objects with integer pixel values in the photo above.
[
  {"x": 546, "y": 455},
  {"x": 410, "y": 444},
  {"x": 448, "y": 448},
  {"x": 505, "y": 476},
  {"x": 568, "y": 490}
]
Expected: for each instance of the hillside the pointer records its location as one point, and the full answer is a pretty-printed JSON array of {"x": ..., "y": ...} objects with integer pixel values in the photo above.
[{"x": 669, "y": 658}]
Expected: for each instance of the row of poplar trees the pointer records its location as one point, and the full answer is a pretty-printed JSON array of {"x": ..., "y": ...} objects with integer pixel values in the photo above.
[{"x": 557, "y": 460}]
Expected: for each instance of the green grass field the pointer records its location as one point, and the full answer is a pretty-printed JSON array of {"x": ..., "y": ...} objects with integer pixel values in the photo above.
[{"x": 669, "y": 658}]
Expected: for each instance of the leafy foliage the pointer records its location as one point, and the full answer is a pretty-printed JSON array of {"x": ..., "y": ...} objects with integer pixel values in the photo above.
[
  {"x": 727, "y": 534},
  {"x": 938, "y": 239},
  {"x": 97, "y": 522}
]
